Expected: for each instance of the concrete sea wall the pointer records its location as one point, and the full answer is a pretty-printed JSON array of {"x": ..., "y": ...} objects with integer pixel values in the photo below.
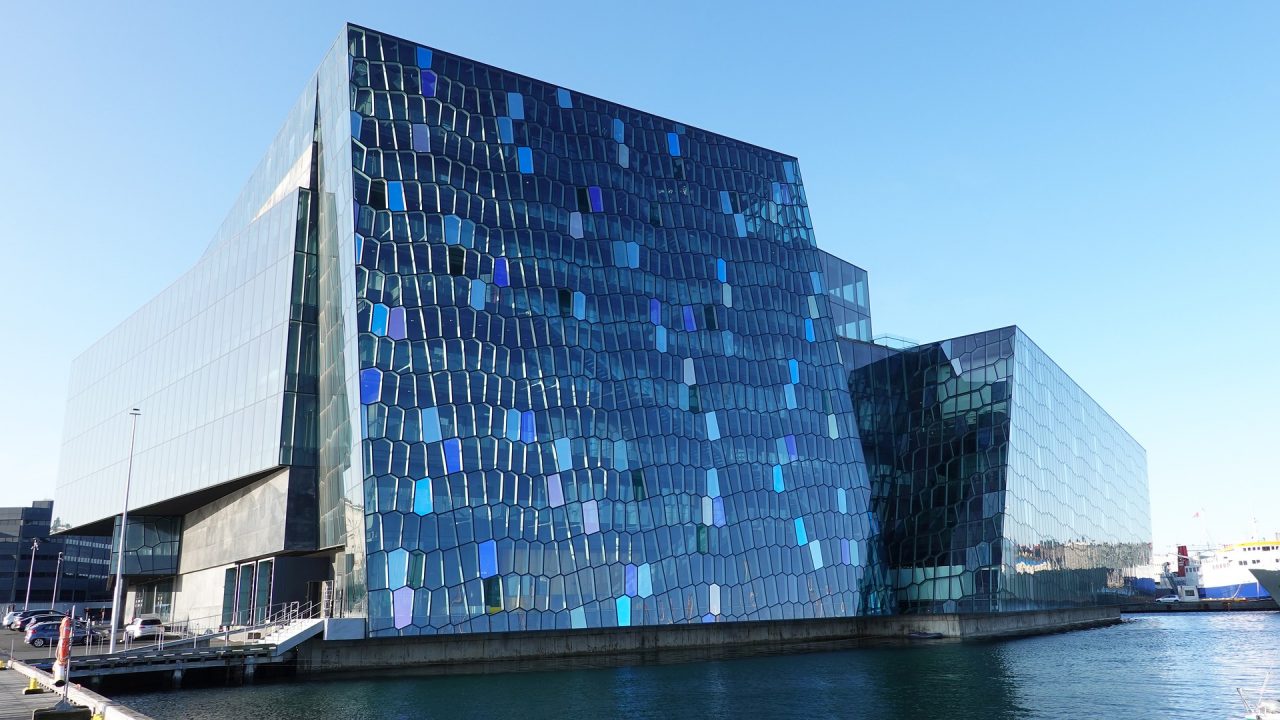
[{"x": 498, "y": 652}]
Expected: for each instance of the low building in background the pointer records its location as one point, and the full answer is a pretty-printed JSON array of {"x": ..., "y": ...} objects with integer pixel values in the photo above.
[
  {"x": 474, "y": 352},
  {"x": 81, "y": 578}
]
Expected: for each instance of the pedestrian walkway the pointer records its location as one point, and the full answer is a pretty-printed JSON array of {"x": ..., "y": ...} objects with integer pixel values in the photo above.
[{"x": 13, "y": 704}]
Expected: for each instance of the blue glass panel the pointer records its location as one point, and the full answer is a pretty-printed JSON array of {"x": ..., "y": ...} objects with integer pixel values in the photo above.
[
  {"x": 370, "y": 385},
  {"x": 428, "y": 83},
  {"x": 624, "y": 611},
  {"x": 728, "y": 343},
  {"x": 717, "y": 512},
  {"x": 577, "y": 618},
  {"x": 789, "y": 169},
  {"x": 506, "y": 133},
  {"x": 512, "y": 429},
  {"x": 801, "y": 536},
  {"x": 794, "y": 366},
  {"x": 563, "y": 99},
  {"x": 356, "y": 120},
  {"x": 655, "y": 311},
  {"x": 395, "y": 195},
  {"x": 430, "y": 424},
  {"x": 421, "y": 138},
  {"x": 579, "y": 305},
  {"x": 722, "y": 270},
  {"x": 713, "y": 427},
  {"x": 452, "y": 229},
  {"x": 378, "y": 320},
  {"x": 525, "y": 156},
  {"x": 713, "y": 482},
  {"x": 528, "y": 427},
  {"x": 422, "y": 496},
  {"x": 424, "y": 57},
  {"x": 479, "y": 288},
  {"x": 488, "y": 558},
  {"x": 397, "y": 568},
  {"x": 789, "y": 391},
  {"x": 575, "y": 224},
  {"x": 726, "y": 206},
  {"x": 631, "y": 580},
  {"x": 564, "y": 454},
  {"x": 661, "y": 340},
  {"x": 633, "y": 254},
  {"x": 778, "y": 485},
  {"x": 595, "y": 198},
  {"x": 673, "y": 143},
  {"x": 644, "y": 586},
  {"x": 689, "y": 323},
  {"x": 619, "y": 130},
  {"x": 500, "y": 277},
  {"x": 740, "y": 224},
  {"x": 808, "y": 330},
  {"x": 453, "y": 455},
  {"x": 515, "y": 105},
  {"x": 815, "y": 278},
  {"x": 708, "y": 618},
  {"x": 815, "y": 552}
]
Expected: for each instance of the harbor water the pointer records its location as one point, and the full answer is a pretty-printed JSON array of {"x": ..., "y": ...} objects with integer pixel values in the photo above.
[{"x": 1185, "y": 665}]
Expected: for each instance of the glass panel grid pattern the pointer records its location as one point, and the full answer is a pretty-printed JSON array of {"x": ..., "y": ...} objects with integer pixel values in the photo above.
[{"x": 598, "y": 378}]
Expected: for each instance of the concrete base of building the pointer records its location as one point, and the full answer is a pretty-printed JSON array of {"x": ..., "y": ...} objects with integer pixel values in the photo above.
[{"x": 562, "y": 649}]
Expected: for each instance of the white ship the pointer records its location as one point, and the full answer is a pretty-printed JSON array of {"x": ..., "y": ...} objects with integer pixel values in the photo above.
[{"x": 1225, "y": 574}]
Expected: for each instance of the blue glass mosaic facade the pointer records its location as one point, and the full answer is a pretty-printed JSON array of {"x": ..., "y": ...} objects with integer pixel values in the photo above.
[{"x": 598, "y": 378}]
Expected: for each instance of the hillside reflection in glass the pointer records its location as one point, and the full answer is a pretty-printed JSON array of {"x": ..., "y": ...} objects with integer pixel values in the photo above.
[{"x": 1001, "y": 485}]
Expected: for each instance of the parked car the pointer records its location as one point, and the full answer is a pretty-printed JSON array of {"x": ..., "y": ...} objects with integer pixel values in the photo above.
[
  {"x": 1168, "y": 599},
  {"x": 46, "y": 633},
  {"x": 25, "y": 622},
  {"x": 14, "y": 619},
  {"x": 144, "y": 627}
]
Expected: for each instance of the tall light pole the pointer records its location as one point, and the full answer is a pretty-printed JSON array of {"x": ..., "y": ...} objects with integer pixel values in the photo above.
[
  {"x": 124, "y": 525},
  {"x": 57, "y": 575},
  {"x": 35, "y": 545}
]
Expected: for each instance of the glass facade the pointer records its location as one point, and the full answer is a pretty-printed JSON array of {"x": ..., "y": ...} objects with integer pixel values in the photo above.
[
  {"x": 1000, "y": 484},
  {"x": 508, "y": 356},
  {"x": 598, "y": 382}
]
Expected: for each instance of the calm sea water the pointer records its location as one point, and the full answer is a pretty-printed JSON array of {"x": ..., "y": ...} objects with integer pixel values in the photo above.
[{"x": 1151, "y": 666}]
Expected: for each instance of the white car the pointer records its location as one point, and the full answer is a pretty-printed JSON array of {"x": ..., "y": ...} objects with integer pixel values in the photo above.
[
  {"x": 144, "y": 627},
  {"x": 1168, "y": 599}
]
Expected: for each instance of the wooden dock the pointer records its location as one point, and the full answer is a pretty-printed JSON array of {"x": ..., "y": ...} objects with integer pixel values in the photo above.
[{"x": 16, "y": 706}]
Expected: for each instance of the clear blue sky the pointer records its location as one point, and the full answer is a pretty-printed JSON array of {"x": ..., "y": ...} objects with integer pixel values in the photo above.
[{"x": 1107, "y": 178}]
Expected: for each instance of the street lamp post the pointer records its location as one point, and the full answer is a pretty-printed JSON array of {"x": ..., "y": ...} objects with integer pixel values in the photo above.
[
  {"x": 31, "y": 572},
  {"x": 57, "y": 575},
  {"x": 124, "y": 525}
]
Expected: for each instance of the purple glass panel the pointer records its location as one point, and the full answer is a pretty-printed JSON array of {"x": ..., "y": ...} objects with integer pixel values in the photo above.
[
  {"x": 596, "y": 198},
  {"x": 844, "y": 552},
  {"x": 395, "y": 324},
  {"x": 590, "y": 517},
  {"x": 428, "y": 83},
  {"x": 717, "y": 512},
  {"x": 632, "y": 581},
  {"x": 421, "y": 138},
  {"x": 453, "y": 455},
  {"x": 500, "y": 276},
  {"x": 689, "y": 324},
  {"x": 402, "y": 606},
  {"x": 791, "y": 447},
  {"x": 655, "y": 311},
  {"x": 555, "y": 493},
  {"x": 370, "y": 385}
]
